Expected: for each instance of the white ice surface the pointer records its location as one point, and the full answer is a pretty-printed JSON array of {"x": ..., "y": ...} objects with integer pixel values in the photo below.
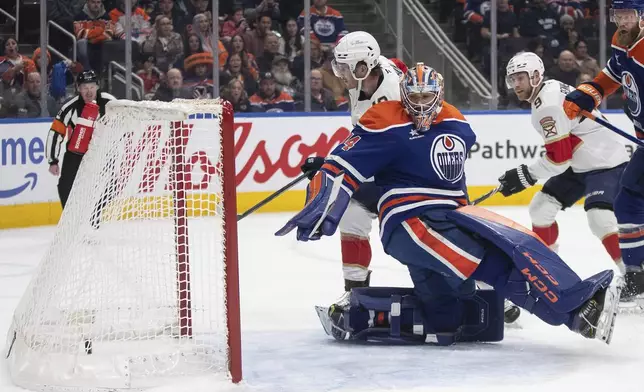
[{"x": 285, "y": 348}]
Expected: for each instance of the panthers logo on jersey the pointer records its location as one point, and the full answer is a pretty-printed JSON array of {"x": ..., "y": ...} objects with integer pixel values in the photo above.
[{"x": 448, "y": 157}]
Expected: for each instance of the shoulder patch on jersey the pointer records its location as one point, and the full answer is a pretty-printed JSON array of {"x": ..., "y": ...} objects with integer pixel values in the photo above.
[
  {"x": 549, "y": 126},
  {"x": 449, "y": 112},
  {"x": 448, "y": 157},
  {"x": 383, "y": 116}
]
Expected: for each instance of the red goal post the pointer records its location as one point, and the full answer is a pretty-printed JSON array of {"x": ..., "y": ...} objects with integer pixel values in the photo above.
[{"x": 140, "y": 285}]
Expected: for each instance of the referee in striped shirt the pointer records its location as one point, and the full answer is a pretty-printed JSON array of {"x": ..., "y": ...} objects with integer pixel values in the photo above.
[{"x": 67, "y": 125}]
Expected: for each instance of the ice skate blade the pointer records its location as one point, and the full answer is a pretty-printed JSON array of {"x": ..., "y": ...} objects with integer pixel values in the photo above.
[
  {"x": 325, "y": 319},
  {"x": 606, "y": 323}
]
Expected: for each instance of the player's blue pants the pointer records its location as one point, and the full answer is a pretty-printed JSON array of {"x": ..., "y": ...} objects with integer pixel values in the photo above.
[
  {"x": 629, "y": 211},
  {"x": 444, "y": 261}
]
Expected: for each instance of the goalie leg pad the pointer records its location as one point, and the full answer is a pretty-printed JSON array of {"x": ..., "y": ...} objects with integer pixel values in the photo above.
[
  {"x": 550, "y": 279},
  {"x": 390, "y": 315},
  {"x": 432, "y": 242}
]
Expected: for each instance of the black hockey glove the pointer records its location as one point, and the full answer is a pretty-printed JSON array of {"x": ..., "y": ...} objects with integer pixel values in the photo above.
[
  {"x": 312, "y": 165},
  {"x": 516, "y": 180}
]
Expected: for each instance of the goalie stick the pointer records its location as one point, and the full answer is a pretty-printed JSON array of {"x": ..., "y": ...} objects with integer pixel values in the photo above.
[{"x": 273, "y": 196}]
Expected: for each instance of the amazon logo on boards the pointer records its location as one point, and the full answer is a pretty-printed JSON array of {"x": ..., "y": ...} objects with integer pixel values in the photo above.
[{"x": 19, "y": 152}]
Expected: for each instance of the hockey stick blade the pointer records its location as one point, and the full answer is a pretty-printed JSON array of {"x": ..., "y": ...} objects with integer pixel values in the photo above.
[
  {"x": 486, "y": 196},
  {"x": 613, "y": 128},
  {"x": 273, "y": 196}
]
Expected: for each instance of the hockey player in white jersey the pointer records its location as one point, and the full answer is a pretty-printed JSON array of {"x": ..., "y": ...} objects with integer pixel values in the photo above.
[
  {"x": 370, "y": 79},
  {"x": 583, "y": 159}
]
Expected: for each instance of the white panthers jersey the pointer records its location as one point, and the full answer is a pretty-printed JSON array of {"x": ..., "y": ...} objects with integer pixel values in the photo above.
[
  {"x": 388, "y": 90},
  {"x": 581, "y": 143}
]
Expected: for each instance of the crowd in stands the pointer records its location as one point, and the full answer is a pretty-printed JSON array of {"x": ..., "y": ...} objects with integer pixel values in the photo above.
[
  {"x": 260, "y": 49},
  {"x": 260, "y": 53},
  {"x": 564, "y": 33}
]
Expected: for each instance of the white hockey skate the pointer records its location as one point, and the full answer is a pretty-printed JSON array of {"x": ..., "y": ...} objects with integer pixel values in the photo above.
[{"x": 596, "y": 318}]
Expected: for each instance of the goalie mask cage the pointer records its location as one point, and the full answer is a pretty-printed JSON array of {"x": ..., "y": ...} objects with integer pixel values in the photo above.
[{"x": 140, "y": 283}]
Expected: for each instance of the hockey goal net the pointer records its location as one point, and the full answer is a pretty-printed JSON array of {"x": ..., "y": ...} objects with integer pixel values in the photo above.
[{"x": 140, "y": 283}]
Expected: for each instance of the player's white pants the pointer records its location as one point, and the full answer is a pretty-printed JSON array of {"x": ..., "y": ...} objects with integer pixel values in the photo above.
[
  {"x": 355, "y": 227},
  {"x": 602, "y": 222}
]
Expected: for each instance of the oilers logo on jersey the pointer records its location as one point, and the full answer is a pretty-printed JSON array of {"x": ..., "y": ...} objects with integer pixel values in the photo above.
[
  {"x": 448, "y": 157},
  {"x": 632, "y": 93}
]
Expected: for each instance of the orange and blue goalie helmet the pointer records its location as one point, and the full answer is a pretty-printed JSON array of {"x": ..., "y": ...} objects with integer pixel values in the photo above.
[{"x": 421, "y": 92}]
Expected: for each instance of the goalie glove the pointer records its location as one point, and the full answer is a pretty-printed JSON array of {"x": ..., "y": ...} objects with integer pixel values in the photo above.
[
  {"x": 516, "y": 180},
  {"x": 312, "y": 165},
  {"x": 326, "y": 202}
]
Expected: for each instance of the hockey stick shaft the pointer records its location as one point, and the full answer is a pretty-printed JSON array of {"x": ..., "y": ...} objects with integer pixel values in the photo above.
[
  {"x": 272, "y": 196},
  {"x": 485, "y": 196},
  {"x": 613, "y": 128}
]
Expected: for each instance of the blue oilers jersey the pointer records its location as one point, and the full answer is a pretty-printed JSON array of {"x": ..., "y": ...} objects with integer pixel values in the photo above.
[
  {"x": 416, "y": 171},
  {"x": 626, "y": 67}
]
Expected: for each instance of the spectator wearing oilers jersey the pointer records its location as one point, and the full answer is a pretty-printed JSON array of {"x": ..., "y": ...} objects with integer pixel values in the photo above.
[
  {"x": 269, "y": 98},
  {"x": 326, "y": 23},
  {"x": 75, "y": 121}
]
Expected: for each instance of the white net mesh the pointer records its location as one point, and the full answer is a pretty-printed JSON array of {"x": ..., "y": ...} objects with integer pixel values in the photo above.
[{"x": 132, "y": 289}]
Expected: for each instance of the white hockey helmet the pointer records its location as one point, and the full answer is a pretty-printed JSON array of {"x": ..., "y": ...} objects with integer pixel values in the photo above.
[
  {"x": 353, "y": 48},
  {"x": 525, "y": 62}
]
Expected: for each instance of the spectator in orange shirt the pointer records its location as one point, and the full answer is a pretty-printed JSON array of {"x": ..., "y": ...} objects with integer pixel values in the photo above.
[{"x": 93, "y": 27}]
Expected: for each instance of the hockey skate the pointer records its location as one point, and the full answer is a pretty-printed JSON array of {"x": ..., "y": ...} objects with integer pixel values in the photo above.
[
  {"x": 330, "y": 316},
  {"x": 633, "y": 286},
  {"x": 511, "y": 312},
  {"x": 595, "y": 319}
]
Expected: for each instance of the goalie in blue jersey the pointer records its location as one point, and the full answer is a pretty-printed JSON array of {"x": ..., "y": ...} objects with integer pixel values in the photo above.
[{"x": 416, "y": 150}]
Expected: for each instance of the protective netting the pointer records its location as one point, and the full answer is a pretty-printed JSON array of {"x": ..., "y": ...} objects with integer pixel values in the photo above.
[{"x": 132, "y": 288}]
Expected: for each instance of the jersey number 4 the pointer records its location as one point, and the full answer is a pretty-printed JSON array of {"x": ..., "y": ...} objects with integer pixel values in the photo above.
[{"x": 350, "y": 143}]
